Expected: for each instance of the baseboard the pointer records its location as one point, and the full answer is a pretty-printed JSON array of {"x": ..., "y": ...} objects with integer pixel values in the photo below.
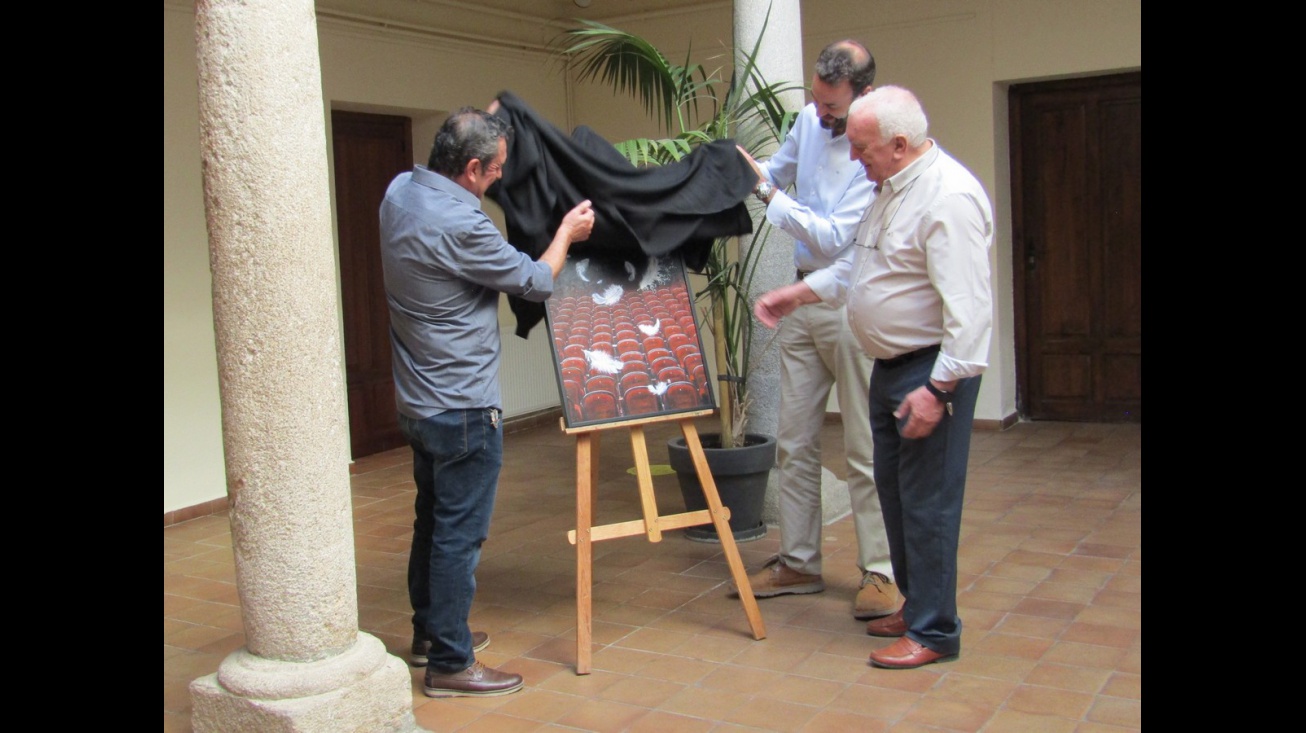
[
  {"x": 996, "y": 425},
  {"x": 532, "y": 420},
  {"x": 177, "y": 516}
]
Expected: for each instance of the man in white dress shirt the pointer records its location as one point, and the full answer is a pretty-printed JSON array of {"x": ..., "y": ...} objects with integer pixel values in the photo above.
[
  {"x": 817, "y": 350},
  {"x": 919, "y": 300}
]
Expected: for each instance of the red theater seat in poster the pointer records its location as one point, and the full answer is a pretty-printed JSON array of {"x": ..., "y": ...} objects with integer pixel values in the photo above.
[
  {"x": 634, "y": 379},
  {"x": 630, "y": 366},
  {"x": 657, "y": 365},
  {"x": 680, "y": 396},
  {"x": 673, "y": 374},
  {"x": 599, "y": 406},
  {"x": 601, "y": 383},
  {"x": 640, "y": 401},
  {"x": 656, "y": 354}
]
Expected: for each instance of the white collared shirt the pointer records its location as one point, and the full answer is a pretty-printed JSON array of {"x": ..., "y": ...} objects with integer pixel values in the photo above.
[
  {"x": 831, "y": 192},
  {"x": 920, "y": 273}
]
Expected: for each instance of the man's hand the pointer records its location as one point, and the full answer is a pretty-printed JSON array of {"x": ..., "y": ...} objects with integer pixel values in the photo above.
[
  {"x": 778, "y": 303},
  {"x": 579, "y": 222},
  {"x": 575, "y": 227},
  {"x": 494, "y": 106},
  {"x": 756, "y": 168},
  {"x": 923, "y": 413}
]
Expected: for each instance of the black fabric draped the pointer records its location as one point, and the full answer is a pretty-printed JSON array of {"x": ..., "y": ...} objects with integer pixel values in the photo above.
[{"x": 681, "y": 206}]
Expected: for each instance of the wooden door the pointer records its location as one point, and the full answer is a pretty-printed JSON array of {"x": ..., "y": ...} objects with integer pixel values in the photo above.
[
  {"x": 1077, "y": 215},
  {"x": 370, "y": 150}
]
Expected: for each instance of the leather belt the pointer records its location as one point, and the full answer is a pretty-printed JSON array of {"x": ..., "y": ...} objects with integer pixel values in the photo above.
[{"x": 907, "y": 358}]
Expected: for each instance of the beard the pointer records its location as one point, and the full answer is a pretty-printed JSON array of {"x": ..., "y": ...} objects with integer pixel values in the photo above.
[{"x": 836, "y": 125}]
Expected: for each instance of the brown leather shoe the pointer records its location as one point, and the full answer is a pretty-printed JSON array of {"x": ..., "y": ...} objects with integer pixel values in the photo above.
[
  {"x": 477, "y": 680},
  {"x": 906, "y": 653},
  {"x": 892, "y": 625},
  {"x": 417, "y": 653},
  {"x": 777, "y": 579},
  {"x": 877, "y": 597}
]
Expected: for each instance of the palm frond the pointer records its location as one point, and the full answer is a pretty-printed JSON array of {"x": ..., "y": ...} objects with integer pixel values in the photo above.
[
  {"x": 643, "y": 151},
  {"x": 631, "y": 65}
]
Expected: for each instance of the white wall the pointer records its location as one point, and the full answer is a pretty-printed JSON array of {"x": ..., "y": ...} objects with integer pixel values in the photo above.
[
  {"x": 193, "y": 467},
  {"x": 959, "y": 56}
]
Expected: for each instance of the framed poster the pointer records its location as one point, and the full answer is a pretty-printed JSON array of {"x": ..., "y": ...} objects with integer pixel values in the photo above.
[{"x": 625, "y": 339}]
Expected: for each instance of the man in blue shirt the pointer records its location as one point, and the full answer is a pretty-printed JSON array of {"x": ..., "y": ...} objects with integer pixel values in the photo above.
[{"x": 444, "y": 265}]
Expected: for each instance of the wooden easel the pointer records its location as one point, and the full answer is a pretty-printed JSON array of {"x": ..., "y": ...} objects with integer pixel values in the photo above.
[{"x": 652, "y": 525}]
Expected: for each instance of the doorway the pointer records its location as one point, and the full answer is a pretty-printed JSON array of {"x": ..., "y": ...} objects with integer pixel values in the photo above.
[
  {"x": 1076, "y": 149},
  {"x": 370, "y": 150}
]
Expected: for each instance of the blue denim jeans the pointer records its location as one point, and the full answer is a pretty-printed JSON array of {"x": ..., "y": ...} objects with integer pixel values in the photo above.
[{"x": 456, "y": 460}]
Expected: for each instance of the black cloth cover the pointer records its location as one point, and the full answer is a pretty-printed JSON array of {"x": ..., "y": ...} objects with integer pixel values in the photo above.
[{"x": 654, "y": 211}]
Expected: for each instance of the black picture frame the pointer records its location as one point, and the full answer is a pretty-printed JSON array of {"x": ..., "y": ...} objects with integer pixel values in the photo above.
[{"x": 625, "y": 339}]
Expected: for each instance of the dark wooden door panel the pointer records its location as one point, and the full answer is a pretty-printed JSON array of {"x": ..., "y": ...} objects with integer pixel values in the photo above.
[
  {"x": 369, "y": 151},
  {"x": 1077, "y": 212}
]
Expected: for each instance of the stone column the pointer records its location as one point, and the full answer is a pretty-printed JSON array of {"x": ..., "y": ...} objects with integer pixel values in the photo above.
[
  {"x": 305, "y": 666},
  {"x": 780, "y": 60}
]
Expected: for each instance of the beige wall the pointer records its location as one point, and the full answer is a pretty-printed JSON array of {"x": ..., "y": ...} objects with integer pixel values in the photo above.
[{"x": 959, "y": 56}]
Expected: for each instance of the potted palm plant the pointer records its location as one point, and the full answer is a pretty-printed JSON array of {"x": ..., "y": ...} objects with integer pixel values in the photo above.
[{"x": 696, "y": 106}]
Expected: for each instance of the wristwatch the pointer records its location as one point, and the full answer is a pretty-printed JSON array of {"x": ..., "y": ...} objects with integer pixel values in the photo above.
[
  {"x": 945, "y": 398},
  {"x": 763, "y": 191}
]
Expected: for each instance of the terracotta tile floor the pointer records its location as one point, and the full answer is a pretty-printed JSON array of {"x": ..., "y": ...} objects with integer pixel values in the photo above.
[{"x": 1050, "y": 594}]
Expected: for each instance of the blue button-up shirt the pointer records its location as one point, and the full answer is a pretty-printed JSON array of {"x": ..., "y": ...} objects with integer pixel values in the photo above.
[{"x": 444, "y": 264}]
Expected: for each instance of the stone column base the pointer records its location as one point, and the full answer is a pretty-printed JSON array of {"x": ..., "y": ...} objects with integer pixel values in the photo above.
[{"x": 362, "y": 689}]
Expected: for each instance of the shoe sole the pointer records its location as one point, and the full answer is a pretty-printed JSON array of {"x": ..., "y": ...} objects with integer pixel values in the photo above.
[
  {"x": 796, "y": 590},
  {"x": 947, "y": 658},
  {"x": 886, "y": 636},
  {"x": 421, "y": 661},
  {"x": 437, "y": 692},
  {"x": 868, "y": 615}
]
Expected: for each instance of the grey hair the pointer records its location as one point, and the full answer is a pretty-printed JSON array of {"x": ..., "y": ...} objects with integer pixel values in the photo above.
[
  {"x": 469, "y": 134},
  {"x": 897, "y": 112},
  {"x": 849, "y": 60}
]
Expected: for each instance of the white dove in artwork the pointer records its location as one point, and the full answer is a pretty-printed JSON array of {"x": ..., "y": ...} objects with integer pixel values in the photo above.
[
  {"x": 650, "y": 330},
  {"x": 659, "y": 388},
  {"x": 654, "y": 275},
  {"x": 602, "y": 361},
  {"x": 581, "y": 268},
  {"x": 609, "y": 296}
]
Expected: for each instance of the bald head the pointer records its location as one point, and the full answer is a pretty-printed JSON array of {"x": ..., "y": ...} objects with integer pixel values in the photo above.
[
  {"x": 848, "y": 61},
  {"x": 887, "y": 130}
]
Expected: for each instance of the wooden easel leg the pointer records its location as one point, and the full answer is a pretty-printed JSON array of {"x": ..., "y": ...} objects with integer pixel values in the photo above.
[
  {"x": 723, "y": 530},
  {"x": 645, "y": 476},
  {"x": 586, "y": 470}
]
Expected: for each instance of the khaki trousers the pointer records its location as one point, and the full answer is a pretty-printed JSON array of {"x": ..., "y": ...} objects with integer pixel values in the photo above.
[{"x": 817, "y": 352}]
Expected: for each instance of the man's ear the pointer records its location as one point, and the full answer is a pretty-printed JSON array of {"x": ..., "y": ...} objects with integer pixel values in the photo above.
[{"x": 473, "y": 168}]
